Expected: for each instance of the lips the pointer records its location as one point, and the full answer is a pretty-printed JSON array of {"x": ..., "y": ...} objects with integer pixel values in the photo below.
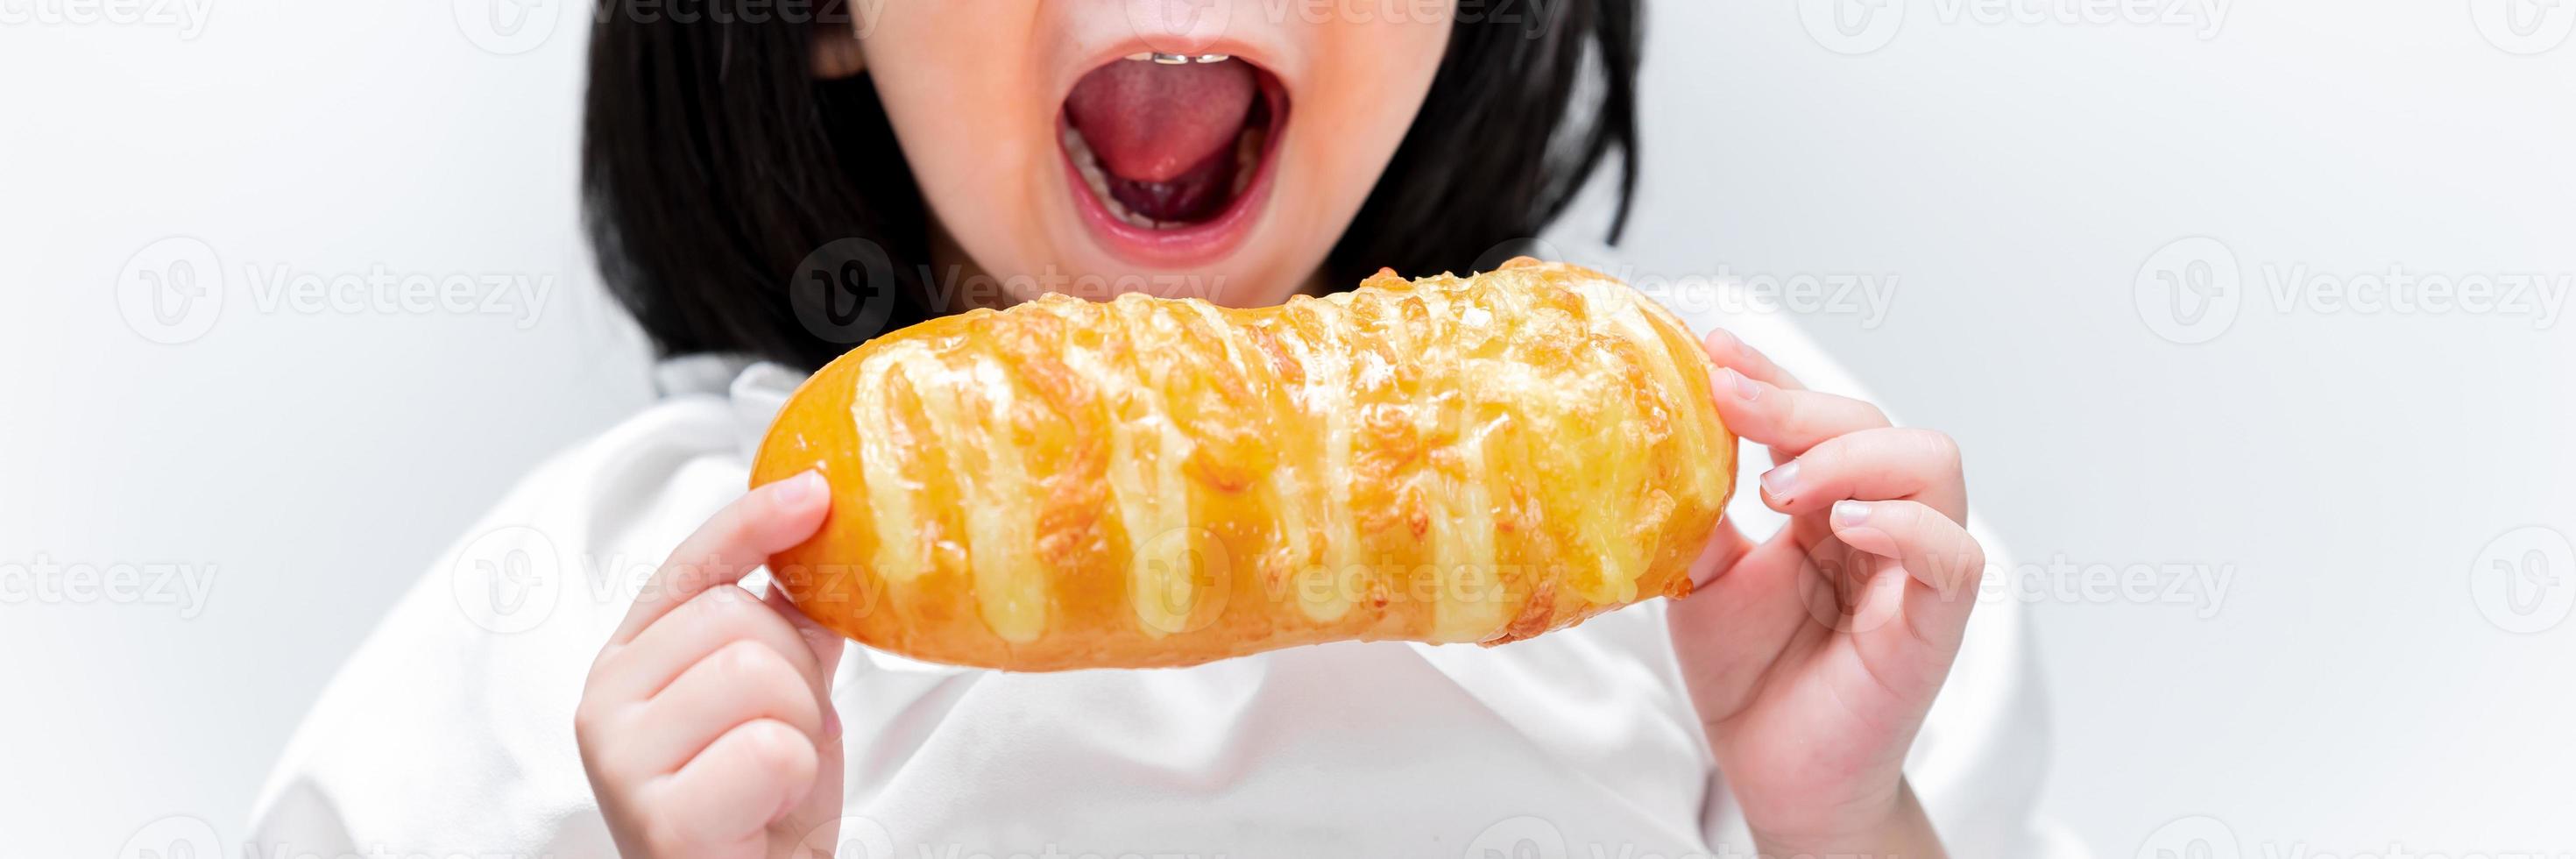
[{"x": 1170, "y": 155}]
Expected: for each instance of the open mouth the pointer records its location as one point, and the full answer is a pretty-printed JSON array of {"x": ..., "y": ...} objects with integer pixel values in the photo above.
[{"x": 1174, "y": 150}]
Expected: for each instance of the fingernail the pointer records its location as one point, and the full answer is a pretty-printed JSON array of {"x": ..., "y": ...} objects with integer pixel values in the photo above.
[
  {"x": 1850, "y": 513},
  {"x": 1736, "y": 383},
  {"x": 1779, "y": 481},
  {"x": 801, "y": 490},
  {"x": 1721, "y": 340}
]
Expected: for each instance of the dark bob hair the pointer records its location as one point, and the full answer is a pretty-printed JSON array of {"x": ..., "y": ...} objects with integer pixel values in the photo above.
[{"x": 714, "y": 163}]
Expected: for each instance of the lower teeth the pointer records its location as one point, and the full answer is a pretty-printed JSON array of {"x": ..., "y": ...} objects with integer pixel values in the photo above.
[{"x": 1247, "y": 160}]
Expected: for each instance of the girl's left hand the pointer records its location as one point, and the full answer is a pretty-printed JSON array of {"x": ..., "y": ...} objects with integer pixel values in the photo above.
[{"x": 1813, "y": 655}]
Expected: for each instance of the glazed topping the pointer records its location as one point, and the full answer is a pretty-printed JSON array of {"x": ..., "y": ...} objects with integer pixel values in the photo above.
[{"x": 1476, "y": 444}]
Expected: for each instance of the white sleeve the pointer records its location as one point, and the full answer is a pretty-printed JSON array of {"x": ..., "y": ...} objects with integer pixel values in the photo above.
[{"x": 449, "y": 731}]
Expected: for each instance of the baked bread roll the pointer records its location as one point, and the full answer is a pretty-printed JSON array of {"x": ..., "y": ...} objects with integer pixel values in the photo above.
[{"x": 1148, "y": 482}]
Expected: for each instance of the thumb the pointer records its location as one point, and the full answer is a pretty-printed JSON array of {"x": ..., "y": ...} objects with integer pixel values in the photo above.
[{"x": 1726, "y": 546}]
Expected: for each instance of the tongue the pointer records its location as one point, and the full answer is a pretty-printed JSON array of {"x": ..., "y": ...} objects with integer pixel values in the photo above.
[{"x": 1149, "y": 122}]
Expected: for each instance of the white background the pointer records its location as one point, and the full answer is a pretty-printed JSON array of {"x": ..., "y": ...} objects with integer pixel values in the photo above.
[{"x": 2345, "y": 468}]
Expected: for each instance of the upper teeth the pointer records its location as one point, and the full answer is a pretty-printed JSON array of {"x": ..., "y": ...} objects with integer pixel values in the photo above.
[{"x": 1178, "y": 59}]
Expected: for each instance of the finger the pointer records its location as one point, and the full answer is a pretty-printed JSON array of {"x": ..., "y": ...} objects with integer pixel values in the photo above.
[
  {"x": 821, "y": 641},
  {"x": 1943, "y": 561},
  {"x": 1787, "y": 420},
  {"x": 746, "y": 779},
  {"x": 739, "y": 539},
  {"x": 819, "y": 811},
  {"x": 1733, "y": 353},
  {"x": 688, "y": 635},
  {"x": 740, "y": 682},
  {"x": 1882, "y": 464}
]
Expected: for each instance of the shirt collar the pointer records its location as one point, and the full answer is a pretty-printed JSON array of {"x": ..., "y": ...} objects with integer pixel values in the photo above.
[{"x": 752, "y": 388}]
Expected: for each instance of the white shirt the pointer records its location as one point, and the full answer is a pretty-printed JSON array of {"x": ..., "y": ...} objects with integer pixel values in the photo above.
[{"x": 450, "y": 730}]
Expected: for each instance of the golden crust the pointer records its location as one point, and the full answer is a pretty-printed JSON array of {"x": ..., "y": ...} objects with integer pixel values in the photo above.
[{"x": 1148, "y": 482}]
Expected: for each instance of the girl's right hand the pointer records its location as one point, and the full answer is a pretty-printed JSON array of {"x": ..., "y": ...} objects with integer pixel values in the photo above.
[{"x": 706, "y": 725}]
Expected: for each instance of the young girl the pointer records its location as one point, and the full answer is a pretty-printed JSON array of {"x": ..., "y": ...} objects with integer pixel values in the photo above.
[{"x": 584, "y": 676}]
